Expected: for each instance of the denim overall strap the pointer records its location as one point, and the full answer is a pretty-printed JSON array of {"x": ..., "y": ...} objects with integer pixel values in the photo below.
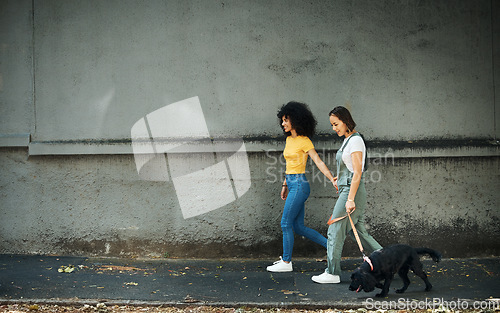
[{"x": 344, "y": 176}]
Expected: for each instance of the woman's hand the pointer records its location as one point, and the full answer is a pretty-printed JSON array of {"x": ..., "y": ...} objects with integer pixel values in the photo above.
[
  {"x": 334, "y": 182},
  {"x": 350, "y": 206},
  {"x": 284, "y": 192}
]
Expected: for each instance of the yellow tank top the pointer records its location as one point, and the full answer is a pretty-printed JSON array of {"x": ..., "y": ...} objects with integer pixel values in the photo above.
[{"x": 295, "y": 154}]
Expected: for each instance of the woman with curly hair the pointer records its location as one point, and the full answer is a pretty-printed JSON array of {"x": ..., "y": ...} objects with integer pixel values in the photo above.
[
  {"x": 299, "y": 126},
  {"x": 351, "y": 159}
]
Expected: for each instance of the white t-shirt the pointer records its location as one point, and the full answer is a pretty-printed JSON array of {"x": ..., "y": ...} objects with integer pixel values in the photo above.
[{"x": 355, "y": 144}]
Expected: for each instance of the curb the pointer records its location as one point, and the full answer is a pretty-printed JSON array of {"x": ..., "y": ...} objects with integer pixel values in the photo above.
[{"x": 137, "y": 303}]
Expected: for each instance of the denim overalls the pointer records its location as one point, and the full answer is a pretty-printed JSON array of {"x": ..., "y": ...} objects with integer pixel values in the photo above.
[{"x": 338, "y": 231}]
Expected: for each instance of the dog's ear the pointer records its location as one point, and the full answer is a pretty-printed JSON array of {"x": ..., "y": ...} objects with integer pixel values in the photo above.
[{"x": 369, "y": 282}]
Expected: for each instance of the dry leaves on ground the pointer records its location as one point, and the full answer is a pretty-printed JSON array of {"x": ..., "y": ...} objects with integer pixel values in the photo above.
[{"x": 103, "y": 308}]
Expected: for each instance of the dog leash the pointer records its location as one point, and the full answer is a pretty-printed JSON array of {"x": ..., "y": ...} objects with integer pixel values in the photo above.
[
  {"x": 333, "y": 220},
  {"x": 367, "y": 259}
]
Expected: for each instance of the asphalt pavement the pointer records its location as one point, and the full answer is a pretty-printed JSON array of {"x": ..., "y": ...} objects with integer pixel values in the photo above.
[{"x": 231, "y": 282}]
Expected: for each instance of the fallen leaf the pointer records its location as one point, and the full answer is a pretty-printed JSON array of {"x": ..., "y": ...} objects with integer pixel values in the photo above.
[
  {"x": 119, "y": 268},
  {"x": 131, "y": 284},
  {"x": 289, "y": 292},
  {"x": 66, "y": 269},
  {"x": 189, "y": 299}
]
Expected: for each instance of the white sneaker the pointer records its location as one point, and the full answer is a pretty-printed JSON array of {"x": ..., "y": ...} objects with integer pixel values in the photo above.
[
  {"x": 326, "y": 278},
  {"x": 280, "y": 266}
]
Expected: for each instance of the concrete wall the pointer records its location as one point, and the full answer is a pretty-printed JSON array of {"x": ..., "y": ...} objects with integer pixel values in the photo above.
[
  {"x": 16, "y": 73},
  {"x": 421, "y": 80},
  {"x": 100, "y": 66},
  {"x": 98, "y": 205}
]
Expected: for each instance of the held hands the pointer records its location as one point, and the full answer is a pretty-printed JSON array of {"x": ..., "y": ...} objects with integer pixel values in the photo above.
[{"x": 334, "y": 182}]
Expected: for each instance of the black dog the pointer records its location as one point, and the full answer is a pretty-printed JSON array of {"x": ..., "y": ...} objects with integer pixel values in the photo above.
[{"x": 388, "y": 261}]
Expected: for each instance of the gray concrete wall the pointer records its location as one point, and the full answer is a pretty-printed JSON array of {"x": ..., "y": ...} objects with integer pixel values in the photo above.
[
  {"x": 16, "y": 73},
  {"x": 421, "y": 80},
  {"x": 100, "y": 66},
  {"x": 98, "y": 205}
]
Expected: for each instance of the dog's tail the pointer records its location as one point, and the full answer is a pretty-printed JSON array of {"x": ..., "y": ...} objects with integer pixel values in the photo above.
[{"x": 435, "y": 255}]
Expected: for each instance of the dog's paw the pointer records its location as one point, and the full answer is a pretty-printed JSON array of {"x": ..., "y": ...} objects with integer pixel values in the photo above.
[
  {"x": 428, "y": 288},
  {"x": 402, "y": 290},
  {"x": 380, "y": 295}
]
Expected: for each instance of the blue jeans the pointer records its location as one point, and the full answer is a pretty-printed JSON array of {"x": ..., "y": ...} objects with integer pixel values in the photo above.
[{"x": 293, "y": 215}]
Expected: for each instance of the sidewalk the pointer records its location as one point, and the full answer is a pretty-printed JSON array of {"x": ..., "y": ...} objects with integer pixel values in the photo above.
[{"x": 233, "y": 282}]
